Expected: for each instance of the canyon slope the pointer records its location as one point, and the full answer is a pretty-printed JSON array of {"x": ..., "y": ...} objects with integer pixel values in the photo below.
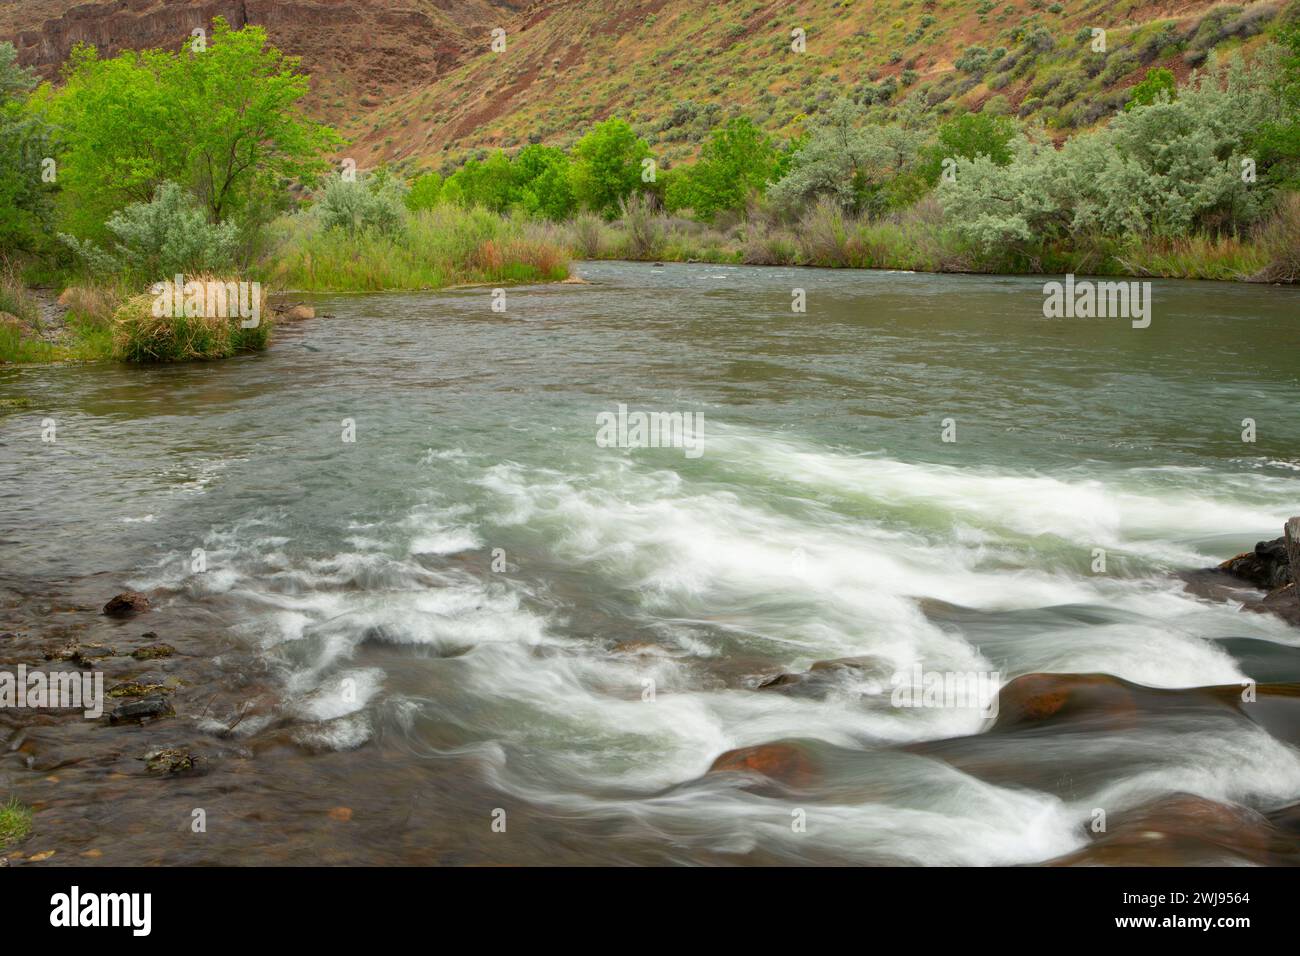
[{"x": 419, "y": 85}]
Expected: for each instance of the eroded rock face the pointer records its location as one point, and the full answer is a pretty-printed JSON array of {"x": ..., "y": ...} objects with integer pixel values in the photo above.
[{"x": 354, "y": 48}]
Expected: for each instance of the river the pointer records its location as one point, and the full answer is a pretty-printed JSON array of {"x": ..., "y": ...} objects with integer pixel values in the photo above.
[{"x": 436, "y": 621}]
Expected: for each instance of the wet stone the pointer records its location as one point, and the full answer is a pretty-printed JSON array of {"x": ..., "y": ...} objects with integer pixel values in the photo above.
[
  {"x": 150, "y": 708},
  {"x": 126, "y": 604},
  {"x": 171, "y": 760}
]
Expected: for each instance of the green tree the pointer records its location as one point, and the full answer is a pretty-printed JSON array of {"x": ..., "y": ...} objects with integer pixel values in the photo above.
[
  {"x": 1159, "y": 83},
  {"x": 543, "y": 182},
  {"x": 225, "y": 123},
  {"x": 1277, "y": 142},
  {"x": 488, "y": 183},
  {"x": 607, "y": 165},
  {"x": 978, "y": 134},
  {"x": 736, "y": 162},
  {"x": 425, "y": 192},
  {"x": 26, "y": 210},
  {"x": 252, "y": 136}
]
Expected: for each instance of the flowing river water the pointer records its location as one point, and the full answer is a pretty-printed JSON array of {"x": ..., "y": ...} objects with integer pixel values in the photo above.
[{"x": 473, "y": 613}]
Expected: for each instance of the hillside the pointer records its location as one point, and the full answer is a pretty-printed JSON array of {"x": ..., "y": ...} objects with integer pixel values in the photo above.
[
  {"x": 673, "y": 66},
  {"x": 420, "y": 87}
]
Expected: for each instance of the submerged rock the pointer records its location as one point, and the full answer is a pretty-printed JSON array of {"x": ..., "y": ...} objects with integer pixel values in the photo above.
[
  {"x": 151, "y": 652},
  {"x": 137, "y": 688},
  {"x": 863, "y": 675},
  {"x": 150, "y": 708},
  {"x": 783, "y": 762},
  {"x": 87, "y": 654},
  {"x": 126, "y": 604},
  {"x": 1183, "y": 828},
  {"x": 170, "y": 761}
]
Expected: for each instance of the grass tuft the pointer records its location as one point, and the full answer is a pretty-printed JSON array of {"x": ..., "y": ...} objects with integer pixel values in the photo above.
[
  {"x": 15, "y": 822},
  {"x": 140, "y": 336}
]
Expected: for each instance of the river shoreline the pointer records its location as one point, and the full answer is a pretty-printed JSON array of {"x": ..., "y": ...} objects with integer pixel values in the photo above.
[{"x": 53, "y": 315}]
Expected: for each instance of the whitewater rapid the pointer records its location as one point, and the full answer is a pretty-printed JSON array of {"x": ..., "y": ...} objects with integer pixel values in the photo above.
[{"x": 538, "y": 603}]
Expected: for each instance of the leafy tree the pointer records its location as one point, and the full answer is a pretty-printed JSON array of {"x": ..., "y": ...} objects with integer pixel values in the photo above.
[
  {"x": 736, "y": 162},
  {"x": 225, "y": 123},
  {"x": 607, "y": 166},
  {"x": 252, "y": 137},
  {"x": 488, "y": 183},
  {"x": 542, "y": 182},
  {"x": 1276, "y": 144},
  {"x": 978, "y": 134},
  {"x": 26, "y": 210},
  {"x": 425, "y": 192},
  {"x": 1159, "y": 83}
]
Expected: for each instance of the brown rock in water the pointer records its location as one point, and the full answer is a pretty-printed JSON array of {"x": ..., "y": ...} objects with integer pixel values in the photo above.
[
  {"x": 150, "y": 652},
  {"x": 1038, "y": 697},
  {"x": 1283, "y": 601},
  {"x": 1269, "y": 568},
  {"x": 296, "y": 313},
  {"x": 786, "y": 763},
  {"x": 127, "y": 604},
  {"x": 1182, "y": 829}
]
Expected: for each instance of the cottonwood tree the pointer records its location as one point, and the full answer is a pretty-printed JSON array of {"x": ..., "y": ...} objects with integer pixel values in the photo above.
[{"x": 224, "y": 123}]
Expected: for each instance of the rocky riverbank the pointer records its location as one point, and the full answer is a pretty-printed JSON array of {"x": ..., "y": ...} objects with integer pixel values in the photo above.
[
  {"x": 1264, "y": 579},
  {"x": 194, "y": 721}
]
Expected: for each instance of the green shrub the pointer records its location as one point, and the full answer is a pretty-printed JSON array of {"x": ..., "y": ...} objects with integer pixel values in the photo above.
[
  {"x": 167, "y": 235},
  {"x": 372, "y": 203}
]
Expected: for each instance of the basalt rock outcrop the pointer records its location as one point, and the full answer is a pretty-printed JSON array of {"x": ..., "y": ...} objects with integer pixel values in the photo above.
[{"x": 356, "y": 50}]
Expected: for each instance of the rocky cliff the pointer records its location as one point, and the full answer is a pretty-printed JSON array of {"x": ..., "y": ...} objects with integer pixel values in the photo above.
[{"x": 359, "y": 52}]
